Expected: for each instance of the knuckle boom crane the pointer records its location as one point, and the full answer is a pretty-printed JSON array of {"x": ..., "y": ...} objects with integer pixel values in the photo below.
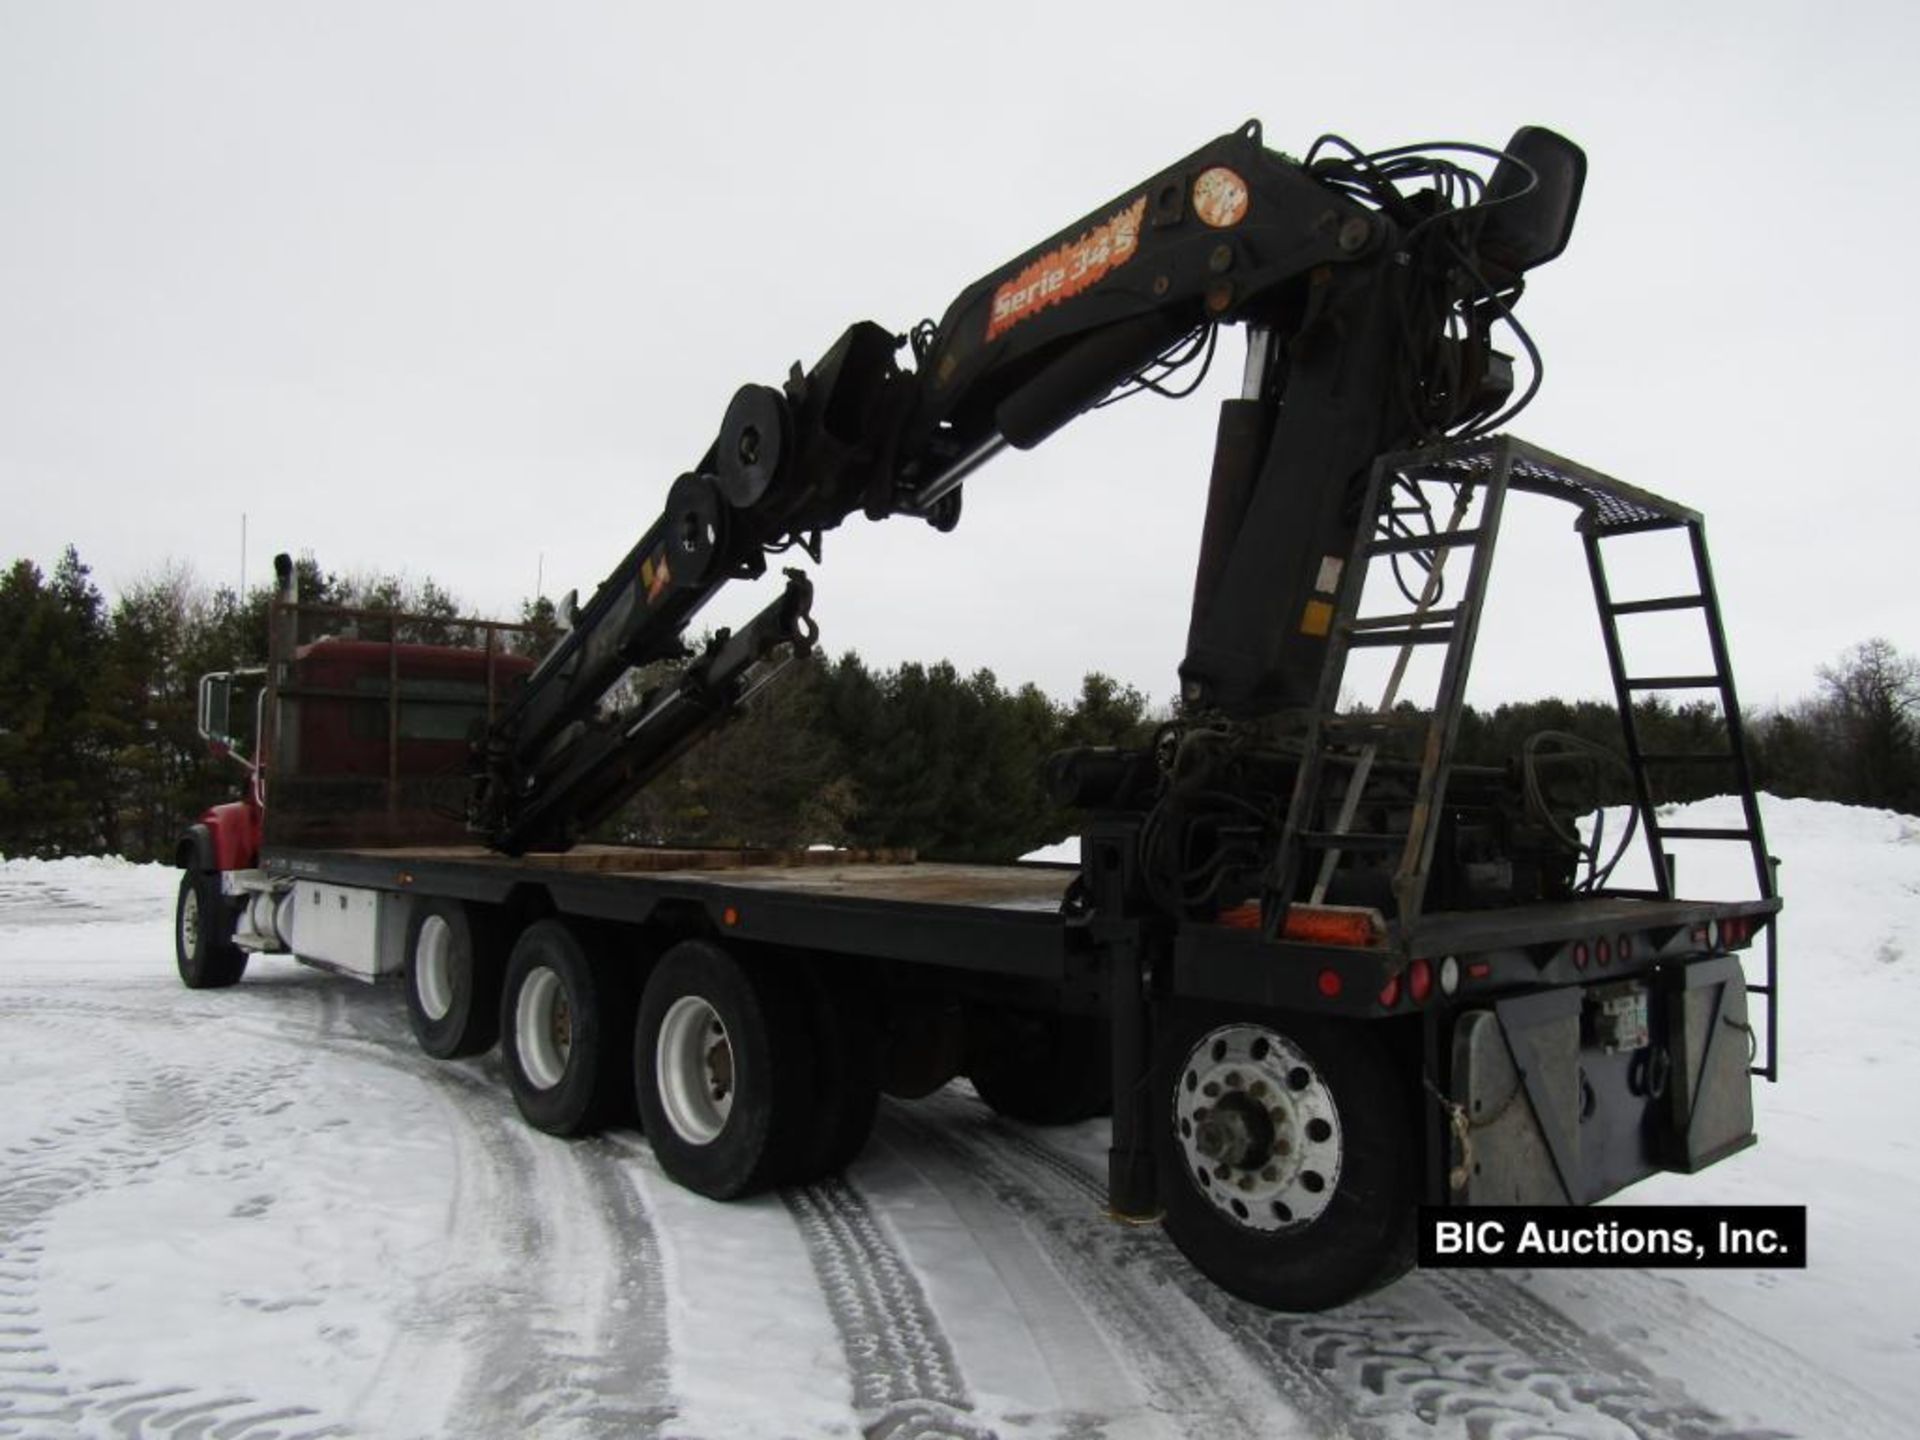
[{"x": 1370, "y": 314}]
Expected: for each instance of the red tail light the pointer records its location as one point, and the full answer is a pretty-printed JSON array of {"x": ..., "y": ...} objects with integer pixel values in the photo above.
[
  {"x": 1579, "y": 954},
  {"x": 1390, "y": 993},
  {"x": 1603, "y": 952},
  {"x": 1330, "y": 984},
  {"x": 1419, "y": 981}
]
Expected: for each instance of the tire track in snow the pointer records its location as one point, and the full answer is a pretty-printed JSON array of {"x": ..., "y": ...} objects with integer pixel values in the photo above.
[
  {"x": 1094, "y": 1388},
  {"x": 161, "y": 1111},
  {"x": 1360, "y": 1369},
  {"x": 538, "y": 1365},
  {"x": 1765, "y": 1368},
  {"x": 532, "y": 1364},
  {"x": 1175, "y": 1354},
  {"x": 906, "y": 1382}
]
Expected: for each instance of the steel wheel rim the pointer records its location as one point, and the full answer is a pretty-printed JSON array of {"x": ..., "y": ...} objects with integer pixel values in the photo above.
[
  {"x": 693, "y": 1066},
  {"x": 543, "y": 1028},
  {"x": 190, "y": 920},
  {"x": 433, "y": 967},
  {"x": 1258, "y": 1129}
]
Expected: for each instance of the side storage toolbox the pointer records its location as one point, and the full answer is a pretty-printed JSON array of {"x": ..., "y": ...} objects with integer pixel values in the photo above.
[{"x": 351, "y": 930}]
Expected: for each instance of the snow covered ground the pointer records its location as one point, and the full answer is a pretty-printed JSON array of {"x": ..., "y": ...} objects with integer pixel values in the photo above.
[{"x": 263, "y": 1212}]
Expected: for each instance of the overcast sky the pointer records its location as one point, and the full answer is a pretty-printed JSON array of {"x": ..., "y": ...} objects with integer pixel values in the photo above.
[{"x": 459, "y": 289}]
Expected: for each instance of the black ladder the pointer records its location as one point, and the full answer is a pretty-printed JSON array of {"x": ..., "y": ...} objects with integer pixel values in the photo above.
[
  {"x": 1480, "y": 473},
  {"x": 1330, "y": 738},
  {"x": 1701, "y": 599}
]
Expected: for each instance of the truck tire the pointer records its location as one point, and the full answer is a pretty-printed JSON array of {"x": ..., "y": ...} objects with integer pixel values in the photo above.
[
  {"x": 454, "y": 970},
  {"x": 203, "y": 947},
  {"x": 723, "y": 1068},
  {"x": 846, "y": 1049},
  {"x": 1040, "y": 1069},
  {"x": 1287, "y": 1155},
  {"x": 565, "y": 1023}
]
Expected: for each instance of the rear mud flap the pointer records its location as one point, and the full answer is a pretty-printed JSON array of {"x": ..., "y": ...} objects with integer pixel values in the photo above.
[
  {"x": 1546, "y": 1112},
  {"x": 1712, "y": 1046}
]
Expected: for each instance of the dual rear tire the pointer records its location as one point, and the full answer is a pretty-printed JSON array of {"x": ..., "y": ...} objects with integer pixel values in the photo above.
[
  {"x": 747, "y": 1071},
  {"x": 565, "y": 1021},
  {"x": 752, "y": 1071},
  {"x": 453, "y": 975}
]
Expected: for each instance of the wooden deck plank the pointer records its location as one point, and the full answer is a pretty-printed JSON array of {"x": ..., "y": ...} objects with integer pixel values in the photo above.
[{"x": 636, "y": 859}]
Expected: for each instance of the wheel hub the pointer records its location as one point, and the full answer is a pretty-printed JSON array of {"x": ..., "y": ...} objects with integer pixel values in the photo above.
[
  {"x": 1258, "y": 1128},
  {"x": 694, "y": 1068},
  {"x": 543, "y": 1027},
  {"x": 433, "y": 967}
]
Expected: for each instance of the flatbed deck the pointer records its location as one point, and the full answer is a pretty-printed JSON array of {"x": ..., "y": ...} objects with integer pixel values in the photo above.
[
  {"x": 891, "y": 875},
  {"x": 1003, "y": 919}
]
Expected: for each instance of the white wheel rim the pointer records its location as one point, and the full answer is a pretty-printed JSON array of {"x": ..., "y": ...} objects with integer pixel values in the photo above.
[
  {"x": 1258, "y": 1128},
  {"x": 693, "y": 1064},
  {"x": 189, "y": 920},
  {"x": 543, "y": 1029},
  {"x": 433, "y": 967}
]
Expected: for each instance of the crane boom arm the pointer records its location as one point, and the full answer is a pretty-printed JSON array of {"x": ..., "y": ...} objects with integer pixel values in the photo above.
[{"x": 1369, "y": 313}]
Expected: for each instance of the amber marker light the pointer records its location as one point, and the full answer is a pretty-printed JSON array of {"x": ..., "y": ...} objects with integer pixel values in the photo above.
[{"x": 1348, "y": 925}]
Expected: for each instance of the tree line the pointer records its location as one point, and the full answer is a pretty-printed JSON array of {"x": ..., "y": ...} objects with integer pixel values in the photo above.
[{"x": 99, "y": 753}]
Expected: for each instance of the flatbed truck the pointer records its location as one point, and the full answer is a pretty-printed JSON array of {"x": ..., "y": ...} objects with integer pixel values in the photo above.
[{"x": 1317, "y": 973}]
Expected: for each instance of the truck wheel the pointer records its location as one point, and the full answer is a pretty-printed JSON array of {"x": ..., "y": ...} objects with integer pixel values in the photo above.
[
  {"x": 454, "y": 968},
  {"x": 846, "y": 1051},
  {"x": 203, "y": 947},
  {"x": 1040, "y": 1069},
  {"x": 564, "y": 1025},
  {"x": 724, "y": 1070},
  {"x": 1287, "y": 1156}
]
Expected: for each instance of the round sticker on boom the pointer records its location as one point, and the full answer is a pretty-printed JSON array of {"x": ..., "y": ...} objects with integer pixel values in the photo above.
[{"x": 1220, "y": 197}]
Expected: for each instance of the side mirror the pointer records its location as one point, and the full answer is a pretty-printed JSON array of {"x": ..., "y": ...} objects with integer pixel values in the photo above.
[
  {"x": 214, "y": 718},
  {"x": 1537, "y": 190}
]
